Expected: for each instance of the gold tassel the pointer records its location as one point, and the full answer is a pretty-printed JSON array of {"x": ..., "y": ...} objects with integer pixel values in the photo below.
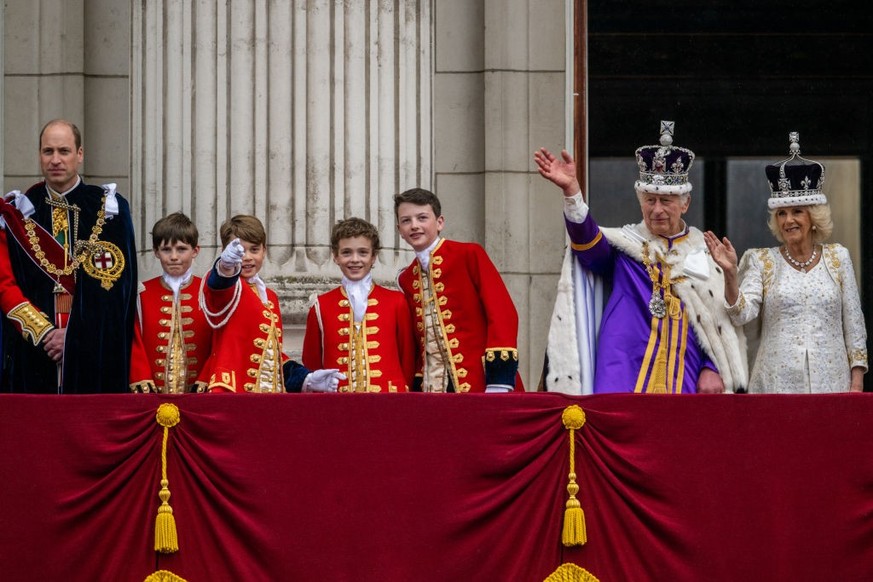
[
  {"x": 574, "y": 533},
  {"x": 569, "y": 573},
  {"x": 166, "y": 540},
  {"x": 163, "y": 576}
]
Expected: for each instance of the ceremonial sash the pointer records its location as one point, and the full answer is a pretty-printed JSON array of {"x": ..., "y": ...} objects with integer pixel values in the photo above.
[{"x": 41, "y": 247}]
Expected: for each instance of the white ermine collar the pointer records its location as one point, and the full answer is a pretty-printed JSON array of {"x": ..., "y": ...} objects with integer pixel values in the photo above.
[{"x": 689, "y": 255}]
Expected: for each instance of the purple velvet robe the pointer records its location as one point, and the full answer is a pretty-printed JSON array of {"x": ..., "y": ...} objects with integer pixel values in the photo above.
[{"x": 627, "y": 325}]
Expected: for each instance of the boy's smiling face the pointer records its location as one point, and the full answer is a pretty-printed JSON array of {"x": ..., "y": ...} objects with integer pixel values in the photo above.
[
  {"x": 176, "y": 257},
  {"x": 418, "y": 225},
  {"x": 355, "y": 257},
  {"x": 253, "y": 259}
]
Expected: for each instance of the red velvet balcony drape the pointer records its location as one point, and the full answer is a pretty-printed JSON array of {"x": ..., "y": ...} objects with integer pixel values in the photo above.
[{"x": 400, "y": 487}]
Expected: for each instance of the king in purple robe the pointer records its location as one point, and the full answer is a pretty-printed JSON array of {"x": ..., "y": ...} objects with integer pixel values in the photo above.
[{"x": 664, "y": 328}]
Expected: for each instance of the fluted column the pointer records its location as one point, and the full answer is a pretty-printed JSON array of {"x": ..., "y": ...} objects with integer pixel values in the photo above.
[{"x": 300, "y": 112}]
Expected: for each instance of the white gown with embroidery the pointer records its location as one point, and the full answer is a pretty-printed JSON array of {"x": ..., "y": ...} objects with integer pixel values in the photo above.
[{"x": 812, "y": 327}]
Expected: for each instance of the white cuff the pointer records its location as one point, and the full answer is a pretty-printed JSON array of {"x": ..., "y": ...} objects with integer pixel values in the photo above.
[{"x": 575, "y": 209}]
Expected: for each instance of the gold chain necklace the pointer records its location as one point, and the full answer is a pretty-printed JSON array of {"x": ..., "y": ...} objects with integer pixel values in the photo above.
[{"x": 81, "y": 247}]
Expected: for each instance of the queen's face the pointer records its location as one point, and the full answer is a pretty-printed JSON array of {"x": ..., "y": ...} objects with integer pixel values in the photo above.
[{"x": 795, "y": 225}]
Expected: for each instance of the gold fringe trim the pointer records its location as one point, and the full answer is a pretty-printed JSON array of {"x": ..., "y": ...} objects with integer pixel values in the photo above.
[
  {"x": 166, "y": 540},
  {"x": 571, "y": 573},
  {"x": 164, "y": 576},
  {"x": 574, "y": 533}
]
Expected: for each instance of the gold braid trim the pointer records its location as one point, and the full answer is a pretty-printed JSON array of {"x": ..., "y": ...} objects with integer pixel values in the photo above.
[
  {"x": 586, "y": 246},
  {"x": 491, "y": 354},
  {"x": 34, "y": 323}
]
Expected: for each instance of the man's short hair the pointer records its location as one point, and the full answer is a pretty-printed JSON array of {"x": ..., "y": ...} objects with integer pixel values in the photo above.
[
  {"x": 419, "y": 197},
  {"x": 245, "y": 227},
  {"x": 351, "y": 228},
  {"x": 77, "y": 135},
  {"x": 175, "y": 227}
]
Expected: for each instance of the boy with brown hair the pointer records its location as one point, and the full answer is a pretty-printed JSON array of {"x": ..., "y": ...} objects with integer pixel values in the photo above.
[
  {"x": 465, "y": 321},
  {"x": 247, "y": 351},
  {"x": 172, "y": 338},
  {"x": 363, "y": 328}
]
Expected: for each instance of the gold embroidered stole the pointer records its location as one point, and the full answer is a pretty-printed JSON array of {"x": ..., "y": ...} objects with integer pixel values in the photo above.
[{"x": 663, "y": 367}]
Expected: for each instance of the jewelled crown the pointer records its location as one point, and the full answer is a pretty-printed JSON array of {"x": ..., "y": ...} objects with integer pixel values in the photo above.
[
  {"x": 664, "y": 168},
  {"x": 795, "y": 181}
]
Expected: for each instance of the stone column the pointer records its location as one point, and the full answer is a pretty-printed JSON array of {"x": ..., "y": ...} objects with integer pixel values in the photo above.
[
  {"x": 43, "y": 79},
  {"x": 301, "y": 112},
  {"x": 68, "y": 59},
  {"x": 499, "y": 88}
]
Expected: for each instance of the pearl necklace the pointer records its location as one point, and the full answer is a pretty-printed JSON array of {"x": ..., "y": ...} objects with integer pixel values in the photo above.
[{"x": 802, "y": 266}]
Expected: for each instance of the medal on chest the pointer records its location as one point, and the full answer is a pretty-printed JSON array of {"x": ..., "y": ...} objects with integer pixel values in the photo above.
[
  {"x": 662, "y": 287},
  {"x": 657, "y": 305}
]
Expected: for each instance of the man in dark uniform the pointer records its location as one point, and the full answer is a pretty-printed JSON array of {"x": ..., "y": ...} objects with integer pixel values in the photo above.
[{"x": 68, "y": 277}]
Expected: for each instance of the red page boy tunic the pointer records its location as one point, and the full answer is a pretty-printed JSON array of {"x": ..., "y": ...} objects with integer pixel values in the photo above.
[{"x": 376, "y": 355}]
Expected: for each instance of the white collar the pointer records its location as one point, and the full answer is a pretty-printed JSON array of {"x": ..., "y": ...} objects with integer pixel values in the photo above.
[
  {"x": 424, "y": 256},
  {"x": 176, "y": 283},
  {"x": 260, "y": 286},
  {"x": 358, "y": 291},
  {"x": 63, "y": 194}
]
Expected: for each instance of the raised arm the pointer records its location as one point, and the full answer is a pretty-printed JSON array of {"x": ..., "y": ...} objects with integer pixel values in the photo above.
[
  {"x": 561, "y": 172},
  {"x": 725, "y": 256}
]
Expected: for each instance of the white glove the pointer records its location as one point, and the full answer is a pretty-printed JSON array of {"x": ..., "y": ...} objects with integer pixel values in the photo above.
[
  {"x": 498, "y": 389},
  {"x": 323, "y": 380},
  {"x": 232, "y": 256}
]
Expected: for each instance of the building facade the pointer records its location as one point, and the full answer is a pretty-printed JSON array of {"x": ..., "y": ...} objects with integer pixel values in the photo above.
[{"x": 302, "y": 113}]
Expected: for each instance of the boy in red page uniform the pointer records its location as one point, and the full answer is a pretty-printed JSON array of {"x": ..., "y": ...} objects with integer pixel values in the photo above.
[
  {"x": 465, "y": 322},
  {"x": 247, "y": 342},
  {"x": 171, "y": 336},
  {"x": 363, "y": 328}
]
